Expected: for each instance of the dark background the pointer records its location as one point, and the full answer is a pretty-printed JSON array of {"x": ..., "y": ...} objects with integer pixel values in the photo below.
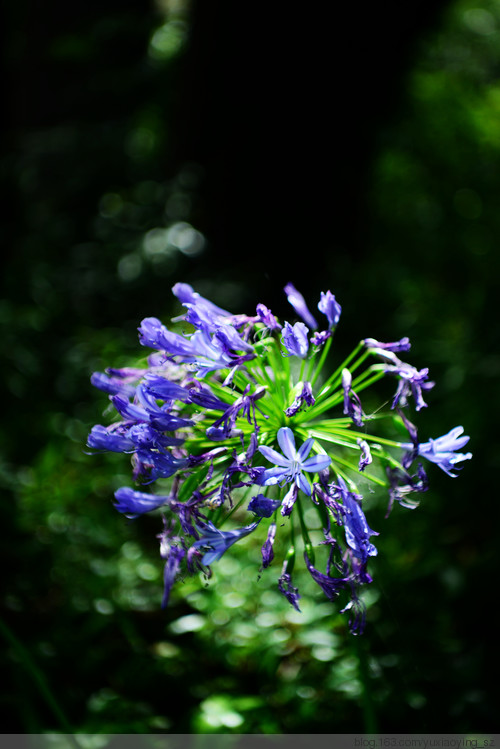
[{"x": 353, "y": 147}]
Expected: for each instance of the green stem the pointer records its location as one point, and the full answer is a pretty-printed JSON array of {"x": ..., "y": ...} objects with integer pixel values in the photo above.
[
  {"x": 319, "y": 366},
  {"x": 39, "y": 679},
  {"x": 305, "y": 533},
  {"x": 326, "y": 431},
  {"x": 368, "y": 476},
  {"x": 302, "y": 367},
  {"x": 338, "y": 372},
  {"x": 360, "y": 383},
  {"x": 367, "y": 706}
]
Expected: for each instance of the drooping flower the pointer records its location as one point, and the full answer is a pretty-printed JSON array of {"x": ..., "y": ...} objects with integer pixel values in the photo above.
[
  {"x": 357, "y": 531},
  {"x": 305, "y": 396},
  {"x": 113, "y": 438},
  {"x": 291, "y": 464},
  {"x": 331, "y": 586},
  {"x": 366, "y": 455},
  {"x": 133, "y": 503},
  {"x": 267, "y": 548},
  {"x": 218, "y": 542},
  {"x": 352, "y": 402},
  {"x": 286, "y": 587}
]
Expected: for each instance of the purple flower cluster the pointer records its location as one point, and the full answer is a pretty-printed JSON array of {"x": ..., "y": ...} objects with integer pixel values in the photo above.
[{"x": 218, "y": 418}]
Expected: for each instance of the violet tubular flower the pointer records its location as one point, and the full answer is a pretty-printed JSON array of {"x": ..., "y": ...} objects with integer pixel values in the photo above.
[
  {"x": 295, "y": 339},
  {"x": 443, "y": 451},
  {"x": 239, "y": 427},
  {"x": 299, "y": 304},
  {"x": 329, "y": 306},
  {"x": 218, "y": 542},
  {"x": 132, "y": 503}
]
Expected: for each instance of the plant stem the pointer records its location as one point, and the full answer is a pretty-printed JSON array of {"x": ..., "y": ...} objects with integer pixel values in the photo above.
[
  {"x": 39, "y": 679},
  {"x": 367, "y": 706}
]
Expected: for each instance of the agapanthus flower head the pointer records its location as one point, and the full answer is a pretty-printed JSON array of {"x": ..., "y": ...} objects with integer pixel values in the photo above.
[{"x": 245, "y": 424}]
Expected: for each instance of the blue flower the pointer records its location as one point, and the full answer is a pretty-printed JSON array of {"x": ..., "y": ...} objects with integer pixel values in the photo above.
[
  {"x": 162, "y": 388},
  {"x": 218, "y": 351},
  {"x": 357, "y": 532},
  {"x": 330, "y": 307},
  {"x": 116, "y": 384},
  {"x": 352, "y": 403},
  {"x": 305, "y": 396},
  {"x": 219, "y": 541},
  {"x": 295, "y": 339},
  {"x": 287, "y": 588},
  {"x": 266, "y": 317},
  {"x": 201, "y": 313},
  {"x": 159, "y": 465},
  {"x": 411, "y": 380},
  {"x": 267, "y": 547},
  {"x": 133, "y": 503},
  {"x": 366, "y": 455},
  {"x": 298, "y": 303},
  {"x": 154, "y": 334},
  {"x": 402, "y": 485},
  {"x": 402, "y": 345},
  {"x": 290, "y": 465},
  {"x": 443, "y": 450},
  {"x": 173, "y": 555},
  {"x": 110, "y": 438},
  {"x": 262, "y": 506},
  {"x": 331, "y": 586}
]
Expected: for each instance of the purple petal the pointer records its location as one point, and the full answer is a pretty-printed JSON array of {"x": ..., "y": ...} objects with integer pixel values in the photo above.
[
  {"x": 303, "y": 484},
  {"x": 299, "y": 304},
  {"x": 316, "y": 463},
  {"x": 305, "y": 449},
  {"x": 286, "y": 441},
  {"x": 274, "y": 457}
]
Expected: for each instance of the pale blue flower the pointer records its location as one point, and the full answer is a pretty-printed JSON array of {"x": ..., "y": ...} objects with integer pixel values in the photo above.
[
  {"x": 329, "y": 306},
  {"x": 442, "y": 450},
  {"x": 299, "y": 304},
  {"x": 295, "y": 339},
  {"x": 292, "y": 462}
]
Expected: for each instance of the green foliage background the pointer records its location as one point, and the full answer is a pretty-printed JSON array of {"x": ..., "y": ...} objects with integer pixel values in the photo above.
[{"x": 105, "y": 218}]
